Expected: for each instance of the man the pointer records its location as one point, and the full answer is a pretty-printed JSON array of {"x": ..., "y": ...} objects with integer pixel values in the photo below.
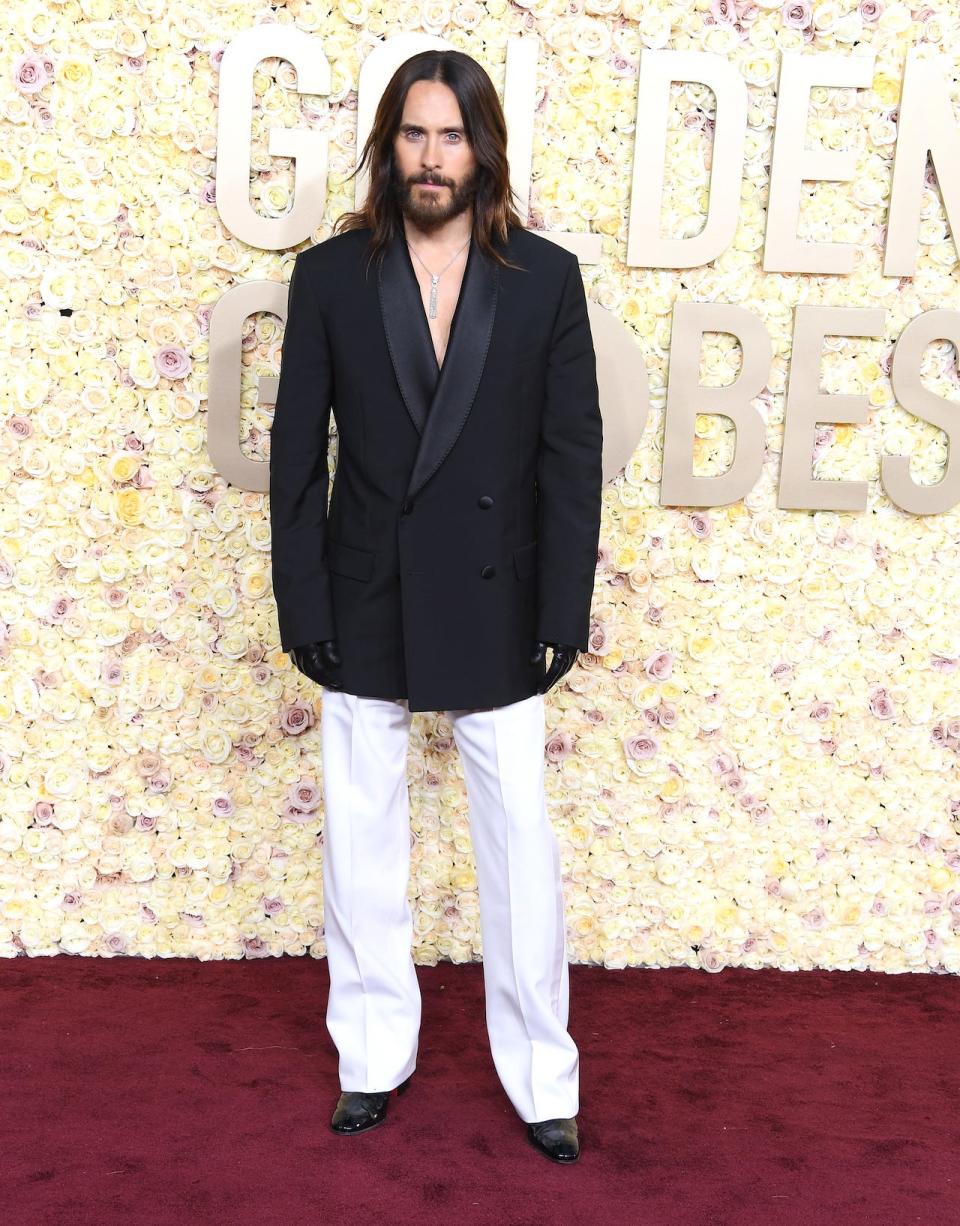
[{"x": 460, "y": 542}]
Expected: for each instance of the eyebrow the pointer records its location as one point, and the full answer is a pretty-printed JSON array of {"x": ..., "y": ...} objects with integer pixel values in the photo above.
[{"x": 408, "y": 127}]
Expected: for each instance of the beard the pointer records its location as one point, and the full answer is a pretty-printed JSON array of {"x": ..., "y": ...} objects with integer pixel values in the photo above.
[{"x": 430, "y": 210}]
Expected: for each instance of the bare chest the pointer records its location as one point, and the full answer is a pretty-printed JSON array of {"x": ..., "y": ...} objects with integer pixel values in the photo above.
[{"x": 445, "y": 296}]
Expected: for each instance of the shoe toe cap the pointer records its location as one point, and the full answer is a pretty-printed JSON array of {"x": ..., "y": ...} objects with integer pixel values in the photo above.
[{"x": 558, "y": 1139}]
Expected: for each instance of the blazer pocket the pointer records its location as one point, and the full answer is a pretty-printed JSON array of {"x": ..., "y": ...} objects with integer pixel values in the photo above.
[
  {"x": 525, "y": 559},
  {"x": 347, "y": 560}
]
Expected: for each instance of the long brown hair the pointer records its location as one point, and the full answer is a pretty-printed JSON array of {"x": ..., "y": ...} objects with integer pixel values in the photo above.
[{"x": 486, "y": 130}]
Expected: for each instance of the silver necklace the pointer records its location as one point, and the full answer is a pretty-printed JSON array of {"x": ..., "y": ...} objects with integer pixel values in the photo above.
[{"x": 435, "y": 278}]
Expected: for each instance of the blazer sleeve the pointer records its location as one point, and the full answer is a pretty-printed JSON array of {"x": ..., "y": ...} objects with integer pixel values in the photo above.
[
  {"x": 298, "y": 471},
  {"x": 569, "y": 474}
]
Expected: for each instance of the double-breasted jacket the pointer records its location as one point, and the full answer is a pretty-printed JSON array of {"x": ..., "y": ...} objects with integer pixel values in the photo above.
[{"x": 462, "y": 520}]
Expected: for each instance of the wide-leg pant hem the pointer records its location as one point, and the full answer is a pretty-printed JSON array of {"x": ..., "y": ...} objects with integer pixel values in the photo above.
[{"x": 374, "y": 1007}]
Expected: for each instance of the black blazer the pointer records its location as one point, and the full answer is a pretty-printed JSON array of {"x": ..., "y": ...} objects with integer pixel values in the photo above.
[{"x": 464, "y": 516}]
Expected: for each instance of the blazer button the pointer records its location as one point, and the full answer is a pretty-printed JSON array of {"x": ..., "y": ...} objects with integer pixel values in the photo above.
[
  {"x": 485, "y": 502},
  {"x": 488, "y": 572},
  {"x": 407, "y": 506}
]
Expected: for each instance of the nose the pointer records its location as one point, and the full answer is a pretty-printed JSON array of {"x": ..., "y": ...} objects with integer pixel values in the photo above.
[{"x": 431, "y": 152}]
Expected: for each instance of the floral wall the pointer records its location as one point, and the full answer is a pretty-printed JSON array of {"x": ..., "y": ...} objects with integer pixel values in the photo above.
[{"x": 757, "y": 762}]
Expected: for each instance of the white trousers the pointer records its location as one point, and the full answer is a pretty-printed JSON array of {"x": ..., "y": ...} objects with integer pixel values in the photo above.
[{"x": 373, "y": 1010}]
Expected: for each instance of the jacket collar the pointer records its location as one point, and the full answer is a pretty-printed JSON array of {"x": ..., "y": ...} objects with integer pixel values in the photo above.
[{"x": 438, "y": 398}]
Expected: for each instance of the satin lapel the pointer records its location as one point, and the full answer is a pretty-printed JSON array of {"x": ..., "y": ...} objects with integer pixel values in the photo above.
[
  {"x": 438, "y": 399},
  {"x": 407, "y": 331}
]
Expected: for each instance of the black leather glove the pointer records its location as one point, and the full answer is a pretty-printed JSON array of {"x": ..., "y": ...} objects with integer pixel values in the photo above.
[
  {"x": 563, "y": 658},
  {"x": 320, "y": 661}
]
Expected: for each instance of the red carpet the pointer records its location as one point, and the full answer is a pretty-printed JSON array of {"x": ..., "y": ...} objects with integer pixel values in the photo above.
[{"x": 141, "y": 1092}]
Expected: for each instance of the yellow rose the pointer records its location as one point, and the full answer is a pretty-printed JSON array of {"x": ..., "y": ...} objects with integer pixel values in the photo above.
[
  {"x": 886, "y": 87},
  {"x": 128, "y": 506},
  {"x": 123, "y": 466}
]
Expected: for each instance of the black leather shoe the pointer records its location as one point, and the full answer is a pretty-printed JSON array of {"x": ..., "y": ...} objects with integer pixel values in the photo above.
[
  {"x": 557, "y": 1138},
  {"x": 357, "y": 1111}
]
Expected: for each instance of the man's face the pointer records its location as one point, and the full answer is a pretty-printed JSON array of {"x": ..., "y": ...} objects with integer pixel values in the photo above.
[{"x": 430, "y": 147}]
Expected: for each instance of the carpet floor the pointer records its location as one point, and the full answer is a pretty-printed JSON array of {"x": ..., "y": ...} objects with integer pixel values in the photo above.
[{"x": 174, "y": 1092}]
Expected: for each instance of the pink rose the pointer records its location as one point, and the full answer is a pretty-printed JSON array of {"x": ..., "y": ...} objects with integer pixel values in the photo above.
[
  {"x": 30, "y": 74},
  {"x": 797, "y": 14},
  {"x": 147, "y": 764},
  {"x": 291, "y": 812},
  {"x": 667, "y": 715},
  {"x": 880, "y": 704},
  {"x": 711, "y": 960},
  {"x": 659, "y": 666},
  {"x": 296, "y": 717},
  {"x": 597, "y": 639},
  {"x": 20, "y": 427},
  {"x": 306, "y": 795},
  {"x": 723, "y": 12},
  {"x": 723, "y": 763},
  {"x": 559, "y": 746},
  {"x": 59, "y": 609},
  {"x": 161, "y": 782},
  {"x": 640, "y": 747},
  {"x": 172, "y": 362}
]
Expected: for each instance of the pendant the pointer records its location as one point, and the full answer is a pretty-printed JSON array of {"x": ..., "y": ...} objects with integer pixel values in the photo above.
[{"x": 433, "y": 296}]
